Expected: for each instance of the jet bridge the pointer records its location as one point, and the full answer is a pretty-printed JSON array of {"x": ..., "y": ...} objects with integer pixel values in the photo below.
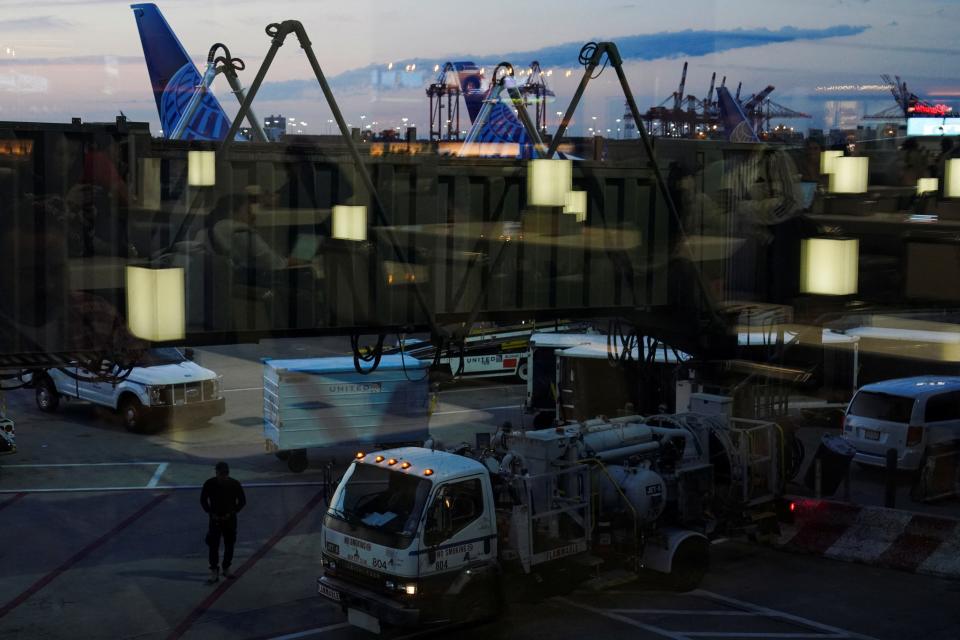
[{"x": 458, "y": 241}]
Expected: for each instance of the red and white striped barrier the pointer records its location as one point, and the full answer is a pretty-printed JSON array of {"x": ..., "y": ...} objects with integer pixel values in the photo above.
[{"x": 913, "y": 542}]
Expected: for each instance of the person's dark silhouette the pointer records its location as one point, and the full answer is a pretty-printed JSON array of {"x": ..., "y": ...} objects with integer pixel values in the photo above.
[{"x": 222, "y": 498}]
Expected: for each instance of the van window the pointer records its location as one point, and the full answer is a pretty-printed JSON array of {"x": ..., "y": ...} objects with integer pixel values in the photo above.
[
  {"x": 882, "y": 406},
  {"x": 945, "y": 406}
]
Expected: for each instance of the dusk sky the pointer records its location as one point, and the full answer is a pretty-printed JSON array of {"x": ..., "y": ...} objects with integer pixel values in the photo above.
[{"x": 83, "y": 57}]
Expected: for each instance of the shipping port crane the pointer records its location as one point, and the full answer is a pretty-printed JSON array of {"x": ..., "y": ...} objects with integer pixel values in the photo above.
[
  {"x": 536, "y": 92},
  {"x": 444, "y": 94},
  {"x": 907, "y": 103}
]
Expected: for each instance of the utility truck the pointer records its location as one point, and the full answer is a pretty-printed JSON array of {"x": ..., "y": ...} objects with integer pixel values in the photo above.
[{"x": 415, "y": 536}]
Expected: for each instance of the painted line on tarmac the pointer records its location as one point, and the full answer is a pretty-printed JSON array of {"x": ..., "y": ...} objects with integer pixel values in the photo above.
[
  {"x": 155, "y": 479},
  {"x": 80, "y": 555},
  {"x": 171, "y": 487},
  {"x": 208, "y": 602},
  {"x": 477, "y": 410},
  {"x": 684, "y": 612},
  {"x": 666, "y": 633},
  {"x": 773, "y": 613},
  {"x": 759, "y": 634},
  {"x": 306, "y": 633},
  {"x": 79, "y": 464},
  {"x": 17, "y": 496},
  {"x": 476, "y": 389}
]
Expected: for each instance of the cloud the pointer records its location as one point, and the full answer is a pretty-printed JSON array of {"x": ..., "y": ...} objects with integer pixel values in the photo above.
[
  {"x": 653, "y": 46},
  {"x": 87, "y": 60},
  {"x": 34, "y": 23}
]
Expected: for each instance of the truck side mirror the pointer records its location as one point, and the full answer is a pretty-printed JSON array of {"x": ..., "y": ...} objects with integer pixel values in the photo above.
[{"x": 188, "y": 353}]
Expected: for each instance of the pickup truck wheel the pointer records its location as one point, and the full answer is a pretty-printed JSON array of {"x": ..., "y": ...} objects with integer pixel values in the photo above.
[
  {"x": 47, "y": 397},
  {"x": 297, "y": 462},
  {"x": 133, "y": 414}
]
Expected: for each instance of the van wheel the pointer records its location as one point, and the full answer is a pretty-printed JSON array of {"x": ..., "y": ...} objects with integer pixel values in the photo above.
[
  {"x": 47, "y": 397},
  {"x": 133, "y": 415},
  {"x": 297, "y": 462}
]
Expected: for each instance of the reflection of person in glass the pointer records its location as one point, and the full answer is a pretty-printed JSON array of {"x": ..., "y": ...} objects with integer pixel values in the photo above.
[
  {"x": 41, "y": 313},
  {"x": 231, "y": 231},
  {"x": 765, "y": 200}
]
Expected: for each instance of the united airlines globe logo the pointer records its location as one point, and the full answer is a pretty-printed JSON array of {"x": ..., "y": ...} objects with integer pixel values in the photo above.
[{"x": 208, "y": 123}]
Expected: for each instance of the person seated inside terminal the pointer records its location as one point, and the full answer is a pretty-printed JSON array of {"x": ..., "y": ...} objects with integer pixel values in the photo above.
[
  {"x": 231, "y": 231},
  {"x": 44, "y": 314}
]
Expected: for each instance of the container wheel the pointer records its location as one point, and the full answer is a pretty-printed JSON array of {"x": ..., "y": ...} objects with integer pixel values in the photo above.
[
  {"x": 47, "y": 397},
  {"x": 297, "y": 462}
]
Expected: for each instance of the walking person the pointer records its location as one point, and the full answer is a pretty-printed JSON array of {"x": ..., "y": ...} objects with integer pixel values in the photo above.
[{"x": 222, "y": 498}]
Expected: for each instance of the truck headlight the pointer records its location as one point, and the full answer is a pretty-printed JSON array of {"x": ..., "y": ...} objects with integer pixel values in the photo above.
[{"x": 410, "y": 589}]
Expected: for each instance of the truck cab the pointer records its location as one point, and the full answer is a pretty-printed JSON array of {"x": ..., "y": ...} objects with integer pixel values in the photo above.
[
  {"x": 165, "y": 383},
  {"x": 410, "y": 538}
]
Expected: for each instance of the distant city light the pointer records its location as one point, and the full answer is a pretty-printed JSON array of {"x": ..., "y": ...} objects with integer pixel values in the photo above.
[{"x": 862, "y": 88}]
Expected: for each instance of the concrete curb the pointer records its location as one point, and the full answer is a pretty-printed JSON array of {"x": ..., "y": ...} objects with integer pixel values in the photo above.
[{"x": 891, "y": 538}]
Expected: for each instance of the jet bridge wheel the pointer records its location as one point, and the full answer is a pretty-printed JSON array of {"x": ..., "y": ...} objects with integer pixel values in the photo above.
[
  {"x": 297, "y": 461},
  {"x": 47, "y": 397}
]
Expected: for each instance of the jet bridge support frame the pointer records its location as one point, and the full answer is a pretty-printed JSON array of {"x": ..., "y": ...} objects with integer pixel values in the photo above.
[
  {"x": 278, "y": 32},
  {"x": 591, "y": 56}
]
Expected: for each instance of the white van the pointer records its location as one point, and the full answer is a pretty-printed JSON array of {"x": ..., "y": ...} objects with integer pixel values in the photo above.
[
  {"x": 166, "y": 383},
  {"x": 910, "y": 415}
]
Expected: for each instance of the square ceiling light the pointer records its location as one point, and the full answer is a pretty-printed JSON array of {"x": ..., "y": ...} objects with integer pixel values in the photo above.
[
  {"x": 828, "y": 266},
  {"x": 156, "y": 303}
]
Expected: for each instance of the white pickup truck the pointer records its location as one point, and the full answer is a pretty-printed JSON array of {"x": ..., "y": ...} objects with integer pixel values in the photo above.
[{"x": 167, "y": 383}]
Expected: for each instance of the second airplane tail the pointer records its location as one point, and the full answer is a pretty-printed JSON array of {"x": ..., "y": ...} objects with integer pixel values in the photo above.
[{"x": 734, "y": 120}]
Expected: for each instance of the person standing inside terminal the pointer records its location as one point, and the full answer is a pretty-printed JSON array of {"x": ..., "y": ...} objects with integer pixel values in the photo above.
[{"x": 222, "y": 498}]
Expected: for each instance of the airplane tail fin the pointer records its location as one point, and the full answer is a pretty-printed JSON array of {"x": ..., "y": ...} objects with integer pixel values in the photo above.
[
  {"x": 494, "y": 124},
  {"x": 174, "y": 79},
  {"x": 470, "y": 85},
  {"x": 734, "y": 120}
]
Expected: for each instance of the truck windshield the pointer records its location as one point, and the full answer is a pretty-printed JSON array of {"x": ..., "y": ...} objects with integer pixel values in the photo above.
[
  {"x": 385, "y": 503},
  {"x": 160, "y": 356}
]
